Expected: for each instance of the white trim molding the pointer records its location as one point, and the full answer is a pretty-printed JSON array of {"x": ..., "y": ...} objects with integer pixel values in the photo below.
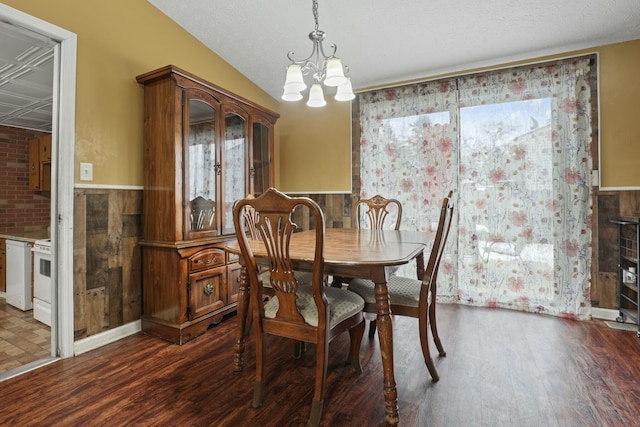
[
  {"x": 604, "y": 313},
  {"x": 107, "y": 337},
  {"x": 63, "y": 144},
  {"x": 109, "y": 187}
]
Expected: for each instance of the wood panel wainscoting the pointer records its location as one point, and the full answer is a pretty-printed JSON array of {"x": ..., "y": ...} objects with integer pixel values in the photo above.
[
  {"x": 107, "y": 285},
  {"x": 503, "y": 368},
  {"x": 608, "y": 205}
]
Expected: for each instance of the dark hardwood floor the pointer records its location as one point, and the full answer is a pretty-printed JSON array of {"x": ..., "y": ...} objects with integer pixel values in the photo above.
[{"x": 503, "y": 368}]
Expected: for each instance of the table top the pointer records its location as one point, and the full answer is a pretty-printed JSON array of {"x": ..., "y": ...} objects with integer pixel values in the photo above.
[{"x": 346, "y": 246}]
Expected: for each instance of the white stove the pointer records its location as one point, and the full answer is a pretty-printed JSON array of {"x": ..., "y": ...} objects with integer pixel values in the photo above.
[{"x": 42, "y": 289}]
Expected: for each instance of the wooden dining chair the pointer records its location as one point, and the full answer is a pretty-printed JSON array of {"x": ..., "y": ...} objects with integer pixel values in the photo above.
[
  {"x": 304, "y": 278},
  {"x": 373, "y": 214},
  {"x": 416, "y": 298},
  {"x": 375, "y": 211},
  {"x": 314, "y": 314}
]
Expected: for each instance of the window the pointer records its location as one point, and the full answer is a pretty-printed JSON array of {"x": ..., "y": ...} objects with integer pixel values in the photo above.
[{"x": 515, "y": 146}]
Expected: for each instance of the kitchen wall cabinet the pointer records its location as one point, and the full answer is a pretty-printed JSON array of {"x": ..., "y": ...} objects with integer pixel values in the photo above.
[
  {"x": 204, "y": 148},
  {"x": 40, "y": 163}
]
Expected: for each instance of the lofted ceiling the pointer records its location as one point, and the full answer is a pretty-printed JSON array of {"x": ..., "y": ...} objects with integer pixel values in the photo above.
[
  {"x": 386, "y": 41},
  {"x": 382, "y": 41}
]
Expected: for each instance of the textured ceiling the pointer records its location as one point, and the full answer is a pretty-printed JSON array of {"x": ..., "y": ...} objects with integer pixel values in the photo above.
[
  {"x": 381, "y": 41},
  {"x": 385, "y": 41},
  {"x": 26, "y": 79}
]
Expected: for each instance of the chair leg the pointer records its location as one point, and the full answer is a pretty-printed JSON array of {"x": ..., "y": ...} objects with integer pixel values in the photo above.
[
  {"x": 316, "y": 413},
  {"x": 372, "y": 328},
  {"x": 258, "y": 391},
  {"x": 434, "y": 329},
  {"x": 356, "y": 333},
  {"x": 258, "y": 394},
  {"x": 248, "y": 324},
  {"x": 322, "y": 360},
  {"x": 244, "y": 321},
  {"x": 424, "y": 342}
]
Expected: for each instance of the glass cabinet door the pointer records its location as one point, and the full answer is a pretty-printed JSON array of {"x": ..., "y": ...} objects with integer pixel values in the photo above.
[
  {"x": 234, "y": 165},
  {"x": 261, "y": 167},
  {"x": 201, "y": 169}
]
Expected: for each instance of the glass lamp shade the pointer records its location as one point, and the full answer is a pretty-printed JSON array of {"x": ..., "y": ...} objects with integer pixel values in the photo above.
[
  {"x": 291, "y": 94},
  {"x": 335, "y": 75},
  {"x": 345, "y": 92},
  {"x": 294, "y": 81},
  {"x": 316, "y": 97}
]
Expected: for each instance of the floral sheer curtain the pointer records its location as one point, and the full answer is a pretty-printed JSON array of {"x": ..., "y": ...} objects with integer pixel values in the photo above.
[
  {"x": 514, "y": 146},
  {"x": 408, "y": 151}
]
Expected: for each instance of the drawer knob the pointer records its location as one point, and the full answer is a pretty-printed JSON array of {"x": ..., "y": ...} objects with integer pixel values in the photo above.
[{"x": 208, "y": 289}]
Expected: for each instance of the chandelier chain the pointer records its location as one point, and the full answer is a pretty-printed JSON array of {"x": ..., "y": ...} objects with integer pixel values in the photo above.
[{"x": 315, "y": 13}]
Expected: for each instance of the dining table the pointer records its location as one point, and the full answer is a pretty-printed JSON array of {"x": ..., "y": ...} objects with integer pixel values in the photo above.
[{"x": 355, "y": 253}]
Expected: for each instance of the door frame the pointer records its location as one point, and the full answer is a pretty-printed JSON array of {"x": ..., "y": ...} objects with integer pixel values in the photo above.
[{"x": 62, "y": 178}]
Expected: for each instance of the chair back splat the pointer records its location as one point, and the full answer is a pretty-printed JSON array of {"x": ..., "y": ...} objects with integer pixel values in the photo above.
[
  {"x": 376, "y": 210},
  {"x": 315, "y": 313},
  {"x": 373, "y": 214}
]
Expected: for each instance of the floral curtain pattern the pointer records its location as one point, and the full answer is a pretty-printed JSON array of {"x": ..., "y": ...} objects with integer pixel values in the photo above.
[
  {"x": 408, "y": 152},
  {"x": 515, "y": 148}
]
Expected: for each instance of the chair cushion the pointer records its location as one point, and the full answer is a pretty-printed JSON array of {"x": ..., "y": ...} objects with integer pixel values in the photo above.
[
  {"x": 402, "y": 290},
  {"x": 304, "y": 278},
  {"x": 342, "y": 305}
]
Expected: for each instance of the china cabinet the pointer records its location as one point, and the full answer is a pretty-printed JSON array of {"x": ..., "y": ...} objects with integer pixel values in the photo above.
[
  {"x": 628, "y": 278},
  {"x": 204, "y": 148}
]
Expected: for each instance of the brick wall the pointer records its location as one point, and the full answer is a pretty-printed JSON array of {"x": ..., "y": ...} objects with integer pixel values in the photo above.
[{"x": 20, "y": 208}]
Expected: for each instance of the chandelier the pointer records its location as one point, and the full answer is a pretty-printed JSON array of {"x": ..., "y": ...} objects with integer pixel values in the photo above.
[{"x": 325, "y": 69}]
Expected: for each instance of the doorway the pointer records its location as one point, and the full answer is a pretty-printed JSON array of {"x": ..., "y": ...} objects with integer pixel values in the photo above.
[{"x": 62, "y": 178}]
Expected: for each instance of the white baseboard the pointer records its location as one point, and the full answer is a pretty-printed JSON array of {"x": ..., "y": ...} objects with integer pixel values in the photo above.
[
  {"x": 604, "y": 313},
  {"x": 107, "y": 337}
]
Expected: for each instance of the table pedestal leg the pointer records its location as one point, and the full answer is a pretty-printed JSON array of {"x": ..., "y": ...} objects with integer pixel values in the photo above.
[
  {"x": 243, "y": 310},
  {"x": 385, "y": 335}
]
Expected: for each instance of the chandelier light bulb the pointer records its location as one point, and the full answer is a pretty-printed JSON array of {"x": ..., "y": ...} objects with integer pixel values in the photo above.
[
  {"x": 345, "y": 92},
  {"x": 291, "y": 94},
  {"x": 295, "y": 81},
  {"x": 335, "y": 75},
  {"x": 316, "y": 97}
]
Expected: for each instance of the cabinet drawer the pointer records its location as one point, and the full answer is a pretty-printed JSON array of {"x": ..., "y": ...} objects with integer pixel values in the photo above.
[
  {"x": 207, "y": 291},
  {"x": 206, "y": 259}
]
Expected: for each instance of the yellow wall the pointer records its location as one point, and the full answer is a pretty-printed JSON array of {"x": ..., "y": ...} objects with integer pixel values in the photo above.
[
  {"x": 314, "y": 143},
  {"x": 620, "y": 114},
  {"x": 118, "y": 40},
  {"x": 315, "y": 147}
]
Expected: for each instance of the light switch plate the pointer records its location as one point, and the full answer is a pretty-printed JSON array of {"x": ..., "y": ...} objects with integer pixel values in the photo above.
[{"x": 86, "y": 171}]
